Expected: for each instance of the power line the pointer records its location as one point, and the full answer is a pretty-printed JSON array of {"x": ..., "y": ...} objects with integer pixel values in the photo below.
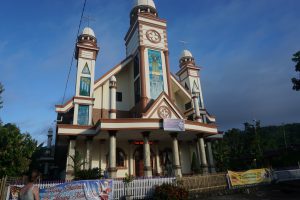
[{"x": 73, "y": 55}]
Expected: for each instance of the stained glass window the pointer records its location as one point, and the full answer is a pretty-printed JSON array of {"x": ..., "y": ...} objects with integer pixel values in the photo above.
[
  {"x": 83, "y": 115},
  {"x": 86, "y": 69},
  {"x": 156, "y": 73},
  {"x": 85, "y": 84}
]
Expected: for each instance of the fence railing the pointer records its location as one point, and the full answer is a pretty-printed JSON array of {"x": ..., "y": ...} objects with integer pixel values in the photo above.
[
  {"x": 204, "y": 183},
  {"x": 138, "y": 188}
]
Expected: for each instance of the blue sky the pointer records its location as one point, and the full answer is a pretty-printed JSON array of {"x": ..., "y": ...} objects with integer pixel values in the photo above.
[{"x": 244, "y": 47}]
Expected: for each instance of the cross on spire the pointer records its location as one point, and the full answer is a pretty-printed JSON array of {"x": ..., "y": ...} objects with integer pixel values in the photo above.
[
  {"x": 88, "y": 19},
  {"x": 184, "y": 43}
]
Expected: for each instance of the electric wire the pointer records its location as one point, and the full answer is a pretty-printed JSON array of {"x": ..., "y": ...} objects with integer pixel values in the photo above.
[{"x": 73, "y": 54}]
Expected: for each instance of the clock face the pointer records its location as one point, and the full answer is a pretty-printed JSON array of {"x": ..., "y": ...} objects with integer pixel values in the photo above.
[{"x": 153, "y": 36}]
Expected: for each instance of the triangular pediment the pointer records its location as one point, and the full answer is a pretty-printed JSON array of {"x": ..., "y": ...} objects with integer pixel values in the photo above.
[{"x": 163, "y": 108}]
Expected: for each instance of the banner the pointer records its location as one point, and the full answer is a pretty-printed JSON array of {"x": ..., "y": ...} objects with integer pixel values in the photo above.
[
  {"x": 250, "y": 177},
  {"x": 79, "y": 190},
  {"x": 174, "y": 125}
]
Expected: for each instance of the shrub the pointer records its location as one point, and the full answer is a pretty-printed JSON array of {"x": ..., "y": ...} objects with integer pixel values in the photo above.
[
  {"x": 88, "y": 174},
  {"x": 170, "y": 192}
]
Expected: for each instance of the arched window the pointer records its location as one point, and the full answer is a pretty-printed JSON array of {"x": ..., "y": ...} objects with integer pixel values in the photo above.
[
  {"x": 166, "y": 160},
  {"x": 85, "y": 84},
  {"x": 121, "y": 158}
]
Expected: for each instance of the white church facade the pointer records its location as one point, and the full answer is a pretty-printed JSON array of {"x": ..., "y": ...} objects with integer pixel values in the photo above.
[{"x": 138, "y": 118}]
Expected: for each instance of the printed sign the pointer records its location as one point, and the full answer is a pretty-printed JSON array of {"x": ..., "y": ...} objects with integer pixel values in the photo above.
[
  {"x": 79, "y": 190},
  {"x": 250, "y": 177},
  {"x": 174, "y": 125}
]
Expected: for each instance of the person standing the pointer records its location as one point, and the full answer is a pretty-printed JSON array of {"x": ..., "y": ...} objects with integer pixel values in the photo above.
[{"x": 29, "y": 191}]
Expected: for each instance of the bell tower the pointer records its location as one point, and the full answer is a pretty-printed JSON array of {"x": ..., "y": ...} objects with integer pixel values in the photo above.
[
  {"x": 189, "y": 78},
  {"x": 86, "y": 54},
  {"x": 146, "y": 41}
]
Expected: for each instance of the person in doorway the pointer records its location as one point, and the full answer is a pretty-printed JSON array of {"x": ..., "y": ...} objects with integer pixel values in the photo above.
[{"x": 29, "y": 191}]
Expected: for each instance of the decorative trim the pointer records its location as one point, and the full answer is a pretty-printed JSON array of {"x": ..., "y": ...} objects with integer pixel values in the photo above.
[
  {"x": 164, "y": 112},
  {"x": 152, "y": 18},
  {"x": 151, "y": 39},
  {"x": 144, "y": 98},
  {"x": 71, "y": 126}
]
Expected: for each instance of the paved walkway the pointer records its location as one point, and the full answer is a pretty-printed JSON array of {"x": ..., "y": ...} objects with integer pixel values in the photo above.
[{"x": 260, "y": 195}]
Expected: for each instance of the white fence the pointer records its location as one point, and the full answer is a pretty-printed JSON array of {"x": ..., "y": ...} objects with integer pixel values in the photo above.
[{"x": 138, "y": 188}]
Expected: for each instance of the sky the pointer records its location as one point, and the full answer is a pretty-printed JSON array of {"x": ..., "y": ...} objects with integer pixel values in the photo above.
[{"x": 244, "y": 49}]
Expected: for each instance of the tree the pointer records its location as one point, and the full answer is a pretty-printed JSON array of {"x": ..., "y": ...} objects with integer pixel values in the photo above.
[
  {"x": 77, "y": 163},
  {"x": 1, "y": 91},
  {"x": 16, "y": 150},
  {"x": 296, "y": 81}
]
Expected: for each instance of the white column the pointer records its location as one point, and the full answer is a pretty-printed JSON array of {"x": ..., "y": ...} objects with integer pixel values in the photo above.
[
  {"x": 88, "y": 160},
  {"x": 196, "y": 107},
  {"x": 176, "y": 161},
  {"x": 130, "y": 156},
  {"x": 147, "y": 156},
  {"x": 75, "y": 116},
  {"x": 112, "y": 96},
  {"x": 70, "y": 163},
  {"x": 210, "y": 158},
  {"x": 158, "y": 168},
  {"x": 101, "y": 154},
  {"x": 198, "y": 154},
  {"x": 203, "y": 155},
  {"x": 112, "y": 170}
]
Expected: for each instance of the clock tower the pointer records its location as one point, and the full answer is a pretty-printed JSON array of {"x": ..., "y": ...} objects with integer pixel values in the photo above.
[{"x": 146, "y": 41}]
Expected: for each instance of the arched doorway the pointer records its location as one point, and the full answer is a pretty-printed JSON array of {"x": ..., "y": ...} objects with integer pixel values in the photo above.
[{"x": 139, "y": 161}]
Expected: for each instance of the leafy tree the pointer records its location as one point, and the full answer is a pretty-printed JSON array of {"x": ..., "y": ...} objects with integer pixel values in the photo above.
[
  {"x": 77, "y": 163},
  {"x": 221, "y": 154},
  {"x": 256, "y": 146},
  {"x": 16, "y": 150},
  {"x": 1, "y": 91},
  {"x": 296, "y": 81}
]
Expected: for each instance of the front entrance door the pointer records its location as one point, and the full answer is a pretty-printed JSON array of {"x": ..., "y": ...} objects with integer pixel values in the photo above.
[{"x": 139, "y": 161}]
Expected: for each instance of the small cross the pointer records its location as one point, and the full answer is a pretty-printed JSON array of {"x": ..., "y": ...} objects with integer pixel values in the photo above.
[
  {"x": 184, "y": 43},
  {"x": 88, "y": 19}
]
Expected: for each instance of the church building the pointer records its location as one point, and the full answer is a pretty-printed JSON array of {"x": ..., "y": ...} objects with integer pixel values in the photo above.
[{"x": 138, "y": 118}]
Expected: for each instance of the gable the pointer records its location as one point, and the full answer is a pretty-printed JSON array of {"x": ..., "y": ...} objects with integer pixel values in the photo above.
[{"x": 163, "y": 108}]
